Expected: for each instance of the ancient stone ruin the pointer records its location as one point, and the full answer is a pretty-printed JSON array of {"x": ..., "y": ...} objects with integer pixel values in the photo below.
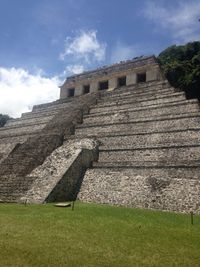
[{"x": 119, "y": 135}]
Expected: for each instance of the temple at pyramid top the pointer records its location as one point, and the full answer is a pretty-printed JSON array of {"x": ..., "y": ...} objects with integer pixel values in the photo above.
[{"x": 125, "y": 73}]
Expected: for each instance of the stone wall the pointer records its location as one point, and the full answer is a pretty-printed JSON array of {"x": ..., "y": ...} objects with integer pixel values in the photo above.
[
  {"x": 33, "y": 152},
  {"x": 149, "y": 149},
  {"x": 23, "y": 158},
  {"x": 148, "y": 136},
  {"x": 129, "y": 69},
  {"x": 144, "y": 188},
  {"x": 59, "y": 177},
  {"x": 118, "y": 67}
]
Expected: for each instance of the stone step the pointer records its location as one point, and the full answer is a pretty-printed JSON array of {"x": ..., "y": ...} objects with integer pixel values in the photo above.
[
  {"x": 39, "y": 109},
  {"x": 134, "y": 93},
  {"x": 125, "y": 118},
  {"x": 52, "y": 104},
  {"x": 164, "y": 154},
  {"x": 12, "y": 197},
  {"x": 32, "y": 120},
  {"x": 142, "y": 106},
  {"x": 166, "y": 188},
  {"x": 147, "y": 164},
  {"x": 128, "y": 103},
  {"x": 17, "y": 128},
  {"x": 27, "y": 124},
  {"x": 133, "y": 99},
  {"x": 138, "y": 88},
  {"x": 8, "y": 188},
  {"x": 43, "y": 112},
  {"x": 16, "y": 131},
  {"x": 166, "y": 139},
  {"x": 20, "y": 136},
  {"x": 15, "y": 184},
  {"x": 140, "y": 114},
  {"x": 14, "y": 139},
  {"x": 50, "y": 111},
  {"x": 39, "y": 114},
  {"x": 159, "y": 126}
]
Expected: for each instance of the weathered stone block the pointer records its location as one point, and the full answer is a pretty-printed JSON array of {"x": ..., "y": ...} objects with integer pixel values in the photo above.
[
  {"x": 165, "y": 189},
  {"x": 59, "y": 177}
]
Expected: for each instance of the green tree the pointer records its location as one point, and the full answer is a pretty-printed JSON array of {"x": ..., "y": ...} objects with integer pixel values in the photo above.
[
  {"x": 3, "y": 119},
  {"x": 181, "y": 65}
]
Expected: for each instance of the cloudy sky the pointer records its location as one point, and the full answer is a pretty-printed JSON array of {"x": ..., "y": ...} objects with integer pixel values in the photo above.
[{"x": 43, "y": 41}]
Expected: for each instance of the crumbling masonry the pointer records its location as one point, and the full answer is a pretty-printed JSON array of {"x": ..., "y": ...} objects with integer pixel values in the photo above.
[{"x": 119, "y": 135}]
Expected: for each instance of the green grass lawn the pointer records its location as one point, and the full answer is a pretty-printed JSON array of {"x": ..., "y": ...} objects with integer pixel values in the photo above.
[{"x": 96, "y": 235}]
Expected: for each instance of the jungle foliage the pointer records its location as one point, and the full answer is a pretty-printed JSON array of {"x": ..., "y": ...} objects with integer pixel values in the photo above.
[
  {"x": 181, "y": 66},
  {"x": 3, "y": 119}
]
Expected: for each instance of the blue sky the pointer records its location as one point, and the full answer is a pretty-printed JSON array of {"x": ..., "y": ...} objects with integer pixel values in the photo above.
[{"x": 43, "y": 41}]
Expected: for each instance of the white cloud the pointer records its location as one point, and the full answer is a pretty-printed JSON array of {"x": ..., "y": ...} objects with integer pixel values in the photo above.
[
  {"x": 20, "y": 90},
  {"x": 84, "y": 46},
  {"x": 74, "y": 69},
  {"x": 181, "y": 20}
]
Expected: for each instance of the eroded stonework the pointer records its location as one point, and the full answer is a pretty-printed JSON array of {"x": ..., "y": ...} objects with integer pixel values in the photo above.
[
  {"x": 136, "y": 143},
  {"x": 124, "y": 73},
  {"x": 58, "y": 178},
  {"x": 164, "y": 188}
]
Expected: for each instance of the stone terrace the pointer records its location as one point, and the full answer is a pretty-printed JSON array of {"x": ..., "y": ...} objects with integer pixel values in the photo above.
[
  {"x": 26, "y": 142},
  {"x": 17, "y": 131},
  {"x": 149, "y": 149},
  {"x": 148, "y": 136}
]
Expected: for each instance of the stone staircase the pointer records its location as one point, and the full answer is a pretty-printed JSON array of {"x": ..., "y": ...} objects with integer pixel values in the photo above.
[
  {"x": 17, "y": 131},
  {"x": 149, "y": 150},
  {"x": 25, "y": 143},
  {"x": 149, "y": 154}
]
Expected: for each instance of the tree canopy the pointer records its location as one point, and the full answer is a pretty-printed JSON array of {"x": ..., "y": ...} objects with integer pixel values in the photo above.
[
  {"x": 181, "y": 65},
  {"x": 3, "y": 119}
]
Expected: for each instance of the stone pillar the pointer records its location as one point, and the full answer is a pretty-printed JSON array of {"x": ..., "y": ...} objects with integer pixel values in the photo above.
[
  {"x": 63, "y": 93},
  {"x": 93, "y": 87},
  {"x": 152, "y": 74},
  {"x": 131, "y": 78},
  {"x": 79, "y": 90},
  {"x": 112, "y": 83}
]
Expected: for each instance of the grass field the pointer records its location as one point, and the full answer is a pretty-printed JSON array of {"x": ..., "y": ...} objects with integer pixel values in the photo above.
[{"x": 96, "y": 235}]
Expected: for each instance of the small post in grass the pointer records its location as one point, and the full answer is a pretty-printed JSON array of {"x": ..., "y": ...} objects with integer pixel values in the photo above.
[
  {"x": 73, "y": 205},
  {"x": 191, "y": 216}
]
